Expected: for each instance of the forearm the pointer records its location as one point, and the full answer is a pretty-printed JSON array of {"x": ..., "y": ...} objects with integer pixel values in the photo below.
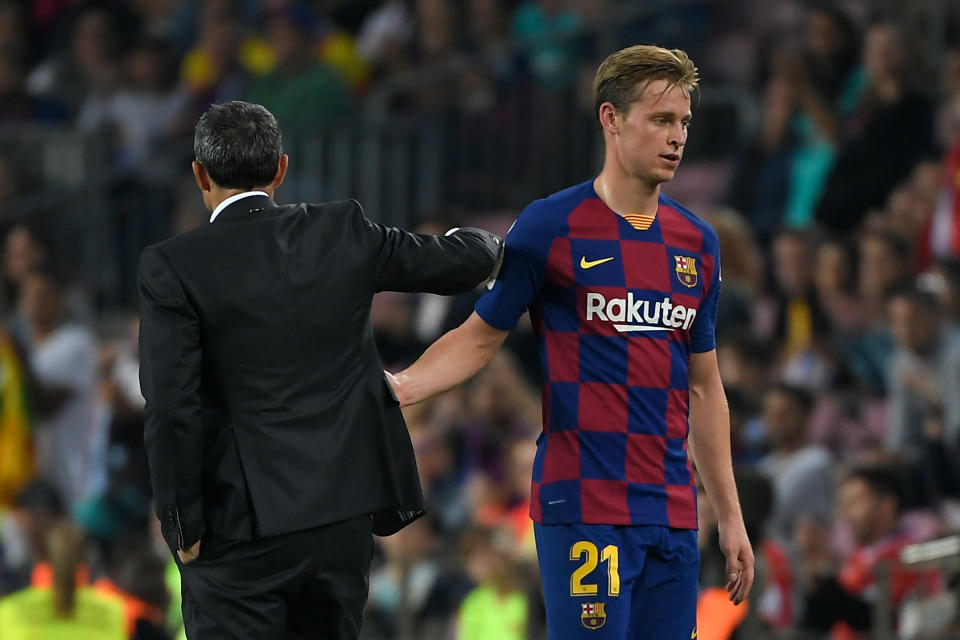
[
  {"x": 455, "y": 357},
  {"x": 710, "y": 447}
]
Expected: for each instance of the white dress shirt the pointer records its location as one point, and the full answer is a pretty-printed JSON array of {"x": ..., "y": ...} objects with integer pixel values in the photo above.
[{"x": 229, "y": 201}]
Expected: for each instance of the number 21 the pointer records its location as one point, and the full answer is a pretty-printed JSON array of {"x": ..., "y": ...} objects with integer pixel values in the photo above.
[{"x": 610, "y": 555}]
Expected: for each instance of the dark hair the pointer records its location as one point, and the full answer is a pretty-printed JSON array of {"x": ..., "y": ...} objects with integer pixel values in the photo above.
[
  {"x": 238, "y": 143},
  {"x": 883, "y": 480},
  {"x": 918, "y": 297},
  {"x": 798, "y": 394}
]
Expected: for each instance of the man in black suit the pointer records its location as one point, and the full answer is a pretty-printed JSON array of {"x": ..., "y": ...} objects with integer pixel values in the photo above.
[{"x": 276, "y": 446}]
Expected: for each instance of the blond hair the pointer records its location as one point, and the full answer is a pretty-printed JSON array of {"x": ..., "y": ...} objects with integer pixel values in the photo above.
[{"x": 624, "y": 75}]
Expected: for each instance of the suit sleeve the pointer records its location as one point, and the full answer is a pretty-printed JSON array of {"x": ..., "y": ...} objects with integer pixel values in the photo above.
[
  {"x": 170, "y": 364},
  {"x": 415, "y": 263}
]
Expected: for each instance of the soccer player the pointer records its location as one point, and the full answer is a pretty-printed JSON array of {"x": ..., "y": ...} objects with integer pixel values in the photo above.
[{"x": 621, "y": 283}]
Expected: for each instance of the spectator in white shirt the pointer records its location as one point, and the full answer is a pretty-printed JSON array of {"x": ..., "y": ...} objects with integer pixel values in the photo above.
[
  {"x": 62, "y": 358},
  {"x": 801, "y": 472}
]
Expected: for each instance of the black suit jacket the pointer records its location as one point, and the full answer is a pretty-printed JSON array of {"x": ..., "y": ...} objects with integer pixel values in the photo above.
[{"x": 267, "y": 408}]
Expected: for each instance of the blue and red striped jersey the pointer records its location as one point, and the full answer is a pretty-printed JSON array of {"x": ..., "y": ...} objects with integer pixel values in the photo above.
[{"x": 617, "y": 310}]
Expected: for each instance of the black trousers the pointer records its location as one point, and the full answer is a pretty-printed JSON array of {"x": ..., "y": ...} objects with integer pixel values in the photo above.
[{"x": 308, "y": 584}]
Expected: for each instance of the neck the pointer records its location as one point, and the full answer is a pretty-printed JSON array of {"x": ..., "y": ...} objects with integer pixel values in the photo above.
[{"x": 625, "y": 194}]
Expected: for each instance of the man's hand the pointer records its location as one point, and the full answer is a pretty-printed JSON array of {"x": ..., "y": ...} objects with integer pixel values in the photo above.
[
  {"x": 189, "y": 555},
  {"x": 456, "y": 356},
  {"x": 397, "y": 386},
  {"x": 739, "y": 554}
]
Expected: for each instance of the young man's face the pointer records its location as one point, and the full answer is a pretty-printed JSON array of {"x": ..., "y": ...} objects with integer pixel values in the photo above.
[{"x": 653, "y": 131}]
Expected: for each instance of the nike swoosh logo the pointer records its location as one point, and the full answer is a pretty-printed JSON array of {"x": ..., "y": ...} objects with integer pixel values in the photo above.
[{"x": 589, "y": 264}]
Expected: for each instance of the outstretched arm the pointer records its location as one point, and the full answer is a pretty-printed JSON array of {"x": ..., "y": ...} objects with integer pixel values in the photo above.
[
  {"x": 456, "y": 356},
  {"x": 710, "y": 449}
]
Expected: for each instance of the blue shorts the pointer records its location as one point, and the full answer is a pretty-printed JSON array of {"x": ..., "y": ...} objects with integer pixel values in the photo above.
[{"x": 618, "y": 582}]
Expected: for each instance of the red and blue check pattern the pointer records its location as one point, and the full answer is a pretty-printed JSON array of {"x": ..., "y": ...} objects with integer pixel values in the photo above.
[{"x": 615, "y": 353}]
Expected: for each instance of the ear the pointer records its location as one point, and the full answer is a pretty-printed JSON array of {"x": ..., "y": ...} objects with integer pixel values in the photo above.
[
  {"x": 202, "y": 177},
  {"x": 609, "y": 118},
  {"x": 281, "y": 171}
]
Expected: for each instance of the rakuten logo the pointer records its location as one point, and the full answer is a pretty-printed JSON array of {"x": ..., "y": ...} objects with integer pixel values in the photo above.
[{"x": 637, "y": 314}]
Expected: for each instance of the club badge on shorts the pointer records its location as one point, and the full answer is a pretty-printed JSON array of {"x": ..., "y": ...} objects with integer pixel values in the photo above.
[
  {"x": 686, "y": 270},
  {"x": 592, "y": 615}
]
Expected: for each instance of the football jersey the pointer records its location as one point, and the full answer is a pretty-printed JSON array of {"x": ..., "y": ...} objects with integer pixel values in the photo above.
[{"x": 617, "y": 310}]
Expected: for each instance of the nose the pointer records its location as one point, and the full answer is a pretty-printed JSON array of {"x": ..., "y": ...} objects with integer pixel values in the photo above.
[{"x": 678, "y": 136}]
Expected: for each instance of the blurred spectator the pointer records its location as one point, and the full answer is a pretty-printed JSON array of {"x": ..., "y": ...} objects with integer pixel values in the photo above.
[
  {"x": 36, "y": 509},
  {"x": 298, "y": 79},
  {"x": 88, "y": 65},
  {"x": 28, "y": 245},
  {"x": 63, "y": 608},
  {"x": 120, "y": 411},
  {"x": 143, "y": 110},
  {"x": 889, "y": 131},
  {"x": 136, "y": 577},
  {"x": 825, "y": 85},
  {"x": 799, "y": 319},
  {"x": 924, "y": 373},
  {"x": 16, "y": 105},
  {"x": 16, "y": 422},
  {"x": 222, "y": 63},
  {"x": 808, "y": 91},
  {"x": 413, "y": 593},
  {"x": 869, "y": 502},
  {"x": 385, "y": 32},
  {"x": 546, "y": 29},
  {"x": 497, "y": 608},
  {"x": 883, "y": 267},
  {"x": 801, "y": 472},
  {"x": 62, "y": 360},
  {"x": 25, "y": 246},
  {"x": 835, "y": 279},
  {"x": 741, "y": 273}
]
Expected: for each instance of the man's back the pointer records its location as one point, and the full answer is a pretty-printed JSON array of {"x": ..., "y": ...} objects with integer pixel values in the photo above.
[{"x": 275, "y": 345}]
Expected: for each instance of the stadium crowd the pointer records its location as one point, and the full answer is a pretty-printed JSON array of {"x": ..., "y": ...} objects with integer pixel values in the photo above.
[{"x": 838, "y": 329}]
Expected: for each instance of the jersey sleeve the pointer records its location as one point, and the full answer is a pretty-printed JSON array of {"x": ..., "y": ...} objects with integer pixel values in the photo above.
[
  {"x": 521, "y": 274},
  {"x": 703, "y": 332}
]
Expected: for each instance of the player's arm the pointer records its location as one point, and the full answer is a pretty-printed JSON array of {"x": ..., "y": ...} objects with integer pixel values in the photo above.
[
  {"x": 710, "y": 447},
  {"x": 456, "y": 356},
  {"x": 709, "y": 440}
]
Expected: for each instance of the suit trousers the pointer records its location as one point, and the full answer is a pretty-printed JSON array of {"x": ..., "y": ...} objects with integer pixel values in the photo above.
[{"x": 307, "y": 584}]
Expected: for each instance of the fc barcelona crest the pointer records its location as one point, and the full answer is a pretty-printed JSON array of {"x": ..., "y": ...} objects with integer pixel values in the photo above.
[
  {"x": 686, "y": 270},
  {"x": 592, "y": 615}
]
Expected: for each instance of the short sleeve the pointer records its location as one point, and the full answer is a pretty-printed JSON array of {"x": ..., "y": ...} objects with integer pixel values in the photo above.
[
  {"x": 520, "y": 278},
  {"x": 703, "y": 332}
]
